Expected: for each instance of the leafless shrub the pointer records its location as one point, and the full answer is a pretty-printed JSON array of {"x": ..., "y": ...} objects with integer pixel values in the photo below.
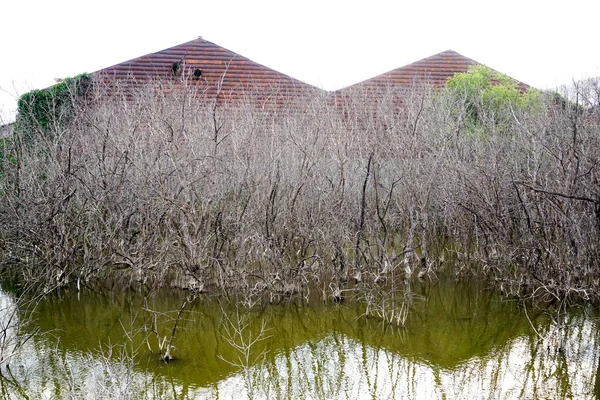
[{"x": 169, "y": 187}]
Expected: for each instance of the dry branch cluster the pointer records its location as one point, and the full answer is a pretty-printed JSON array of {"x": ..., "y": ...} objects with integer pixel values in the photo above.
[{"x": 167, "y": 187}]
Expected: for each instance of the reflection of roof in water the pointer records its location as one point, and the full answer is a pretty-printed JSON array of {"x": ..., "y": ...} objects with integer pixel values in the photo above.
[
  {"x": 457, "y": 342},
  {"x": 454, "y": 324}
]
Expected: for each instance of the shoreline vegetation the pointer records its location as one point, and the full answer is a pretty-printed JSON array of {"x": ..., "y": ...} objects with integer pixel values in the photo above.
[{"x": 310, "y": 197}]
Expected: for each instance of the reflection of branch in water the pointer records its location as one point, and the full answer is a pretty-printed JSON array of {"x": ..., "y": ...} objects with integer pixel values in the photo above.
[
  {"x": 531, "y": 323},
  {"x": 12, "y": 328},
  {"x": 559, "y": 323},
  {"x": 165, "y": 345},
  {"x": 238, "y": 333},
  {"x": 391, "y": 305}
]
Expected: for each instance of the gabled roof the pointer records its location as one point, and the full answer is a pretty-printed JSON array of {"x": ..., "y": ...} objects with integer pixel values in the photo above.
[
  {"x": 214, "y": 69},
  {"x": 434, "y": 70},
  {"x": 217, "y": 71}
]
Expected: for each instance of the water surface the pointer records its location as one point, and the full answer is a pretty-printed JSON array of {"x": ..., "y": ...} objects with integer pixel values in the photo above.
[{"x": 460, "y": 341}]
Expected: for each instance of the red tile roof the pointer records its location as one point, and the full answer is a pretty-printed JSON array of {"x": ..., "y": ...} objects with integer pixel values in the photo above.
[
  {"x": 214, "y": 69},
  {"x": 434, "y": 70}
]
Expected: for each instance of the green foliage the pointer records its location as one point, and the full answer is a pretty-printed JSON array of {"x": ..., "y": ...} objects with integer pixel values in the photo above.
[
  {"x": 51, "y": 108},
  {"x": 487, "y": 98}
]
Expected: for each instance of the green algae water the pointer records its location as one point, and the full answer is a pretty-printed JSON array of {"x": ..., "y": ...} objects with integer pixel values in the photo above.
[{"x": 459, "y": 341}]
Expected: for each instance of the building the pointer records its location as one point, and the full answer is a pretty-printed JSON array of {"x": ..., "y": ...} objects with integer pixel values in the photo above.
[
  {"x": 215, "y": 72},
  {"x": 434, "y": 70},
  {"x": 223, "y": 74}
]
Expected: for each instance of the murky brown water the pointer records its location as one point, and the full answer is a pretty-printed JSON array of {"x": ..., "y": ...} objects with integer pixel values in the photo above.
[{"x": 460, "y": 341}]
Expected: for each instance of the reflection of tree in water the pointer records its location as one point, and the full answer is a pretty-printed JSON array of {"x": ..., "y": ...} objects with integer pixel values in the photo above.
[
  {"x": 457, "y": 343},
  {"x": 522, "y": 368}
]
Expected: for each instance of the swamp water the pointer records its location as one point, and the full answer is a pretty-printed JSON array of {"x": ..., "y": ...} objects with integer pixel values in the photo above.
[{"x": 460, "y": 341}]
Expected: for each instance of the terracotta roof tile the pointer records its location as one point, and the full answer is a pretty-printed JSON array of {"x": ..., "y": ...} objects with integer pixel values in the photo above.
[
  {"x": 434, "y": 70},
  {"x": 214, "y": 69}
]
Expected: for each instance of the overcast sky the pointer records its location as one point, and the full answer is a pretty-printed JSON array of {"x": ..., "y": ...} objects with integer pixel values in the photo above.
[{"x": 327, "y": 43}]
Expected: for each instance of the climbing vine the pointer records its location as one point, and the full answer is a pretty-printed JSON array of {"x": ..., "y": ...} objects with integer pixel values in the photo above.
[{"x": 47, "y": 109}]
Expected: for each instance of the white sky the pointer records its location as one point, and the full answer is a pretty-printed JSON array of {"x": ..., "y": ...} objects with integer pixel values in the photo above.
[{"x": 327, "y": 43}]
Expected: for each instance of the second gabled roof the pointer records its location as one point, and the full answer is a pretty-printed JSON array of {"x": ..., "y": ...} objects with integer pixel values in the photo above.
[{"x": 434, "y": 70}]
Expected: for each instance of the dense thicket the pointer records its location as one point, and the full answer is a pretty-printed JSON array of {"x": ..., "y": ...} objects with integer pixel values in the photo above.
[{"x": 170, "y": 188}]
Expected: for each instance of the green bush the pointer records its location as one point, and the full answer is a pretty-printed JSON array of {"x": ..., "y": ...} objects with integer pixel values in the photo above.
[{"x": 483, "y": 96}]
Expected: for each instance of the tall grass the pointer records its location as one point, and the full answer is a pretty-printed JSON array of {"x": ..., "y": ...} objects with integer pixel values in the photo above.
[{"x": 171, "y": 188}]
